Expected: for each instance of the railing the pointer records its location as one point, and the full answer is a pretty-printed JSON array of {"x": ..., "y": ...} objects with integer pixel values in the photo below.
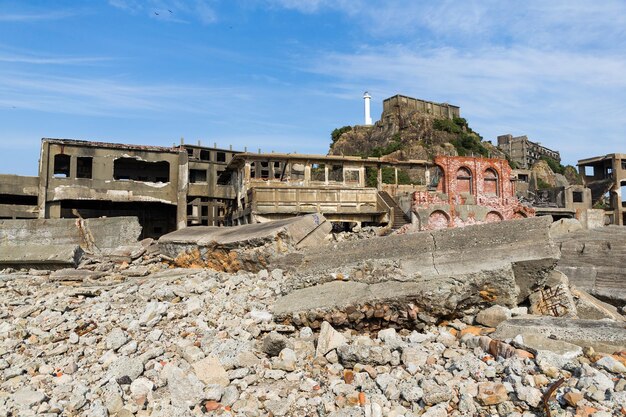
[{"x": 314, "y": 200}]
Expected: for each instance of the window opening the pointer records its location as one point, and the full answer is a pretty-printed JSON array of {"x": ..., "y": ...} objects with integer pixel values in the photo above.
[{"x": 62, "y": 166}]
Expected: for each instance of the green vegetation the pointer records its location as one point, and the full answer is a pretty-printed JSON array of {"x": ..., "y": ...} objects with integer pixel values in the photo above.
[
  {"x": 394, "y": 145},
  {"x": 336, "y": 134},
  {"x": 542, "y": 185},
  {"x": 467, "y": 142},
  {"x": 389, "y": 176},
  {"x": 554, "y": 165}
]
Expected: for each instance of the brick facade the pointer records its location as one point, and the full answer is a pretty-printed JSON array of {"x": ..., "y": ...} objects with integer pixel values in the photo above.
[{"x": 469, "y": 191}]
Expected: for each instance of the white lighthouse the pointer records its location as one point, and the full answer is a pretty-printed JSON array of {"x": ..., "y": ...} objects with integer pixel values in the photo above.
[{"x": 368, "y": 117}]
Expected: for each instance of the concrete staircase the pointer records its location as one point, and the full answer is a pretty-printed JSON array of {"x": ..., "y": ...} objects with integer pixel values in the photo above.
[{"x": 399, "y": 218}]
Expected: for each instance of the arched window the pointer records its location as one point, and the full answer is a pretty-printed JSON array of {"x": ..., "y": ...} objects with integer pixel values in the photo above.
[
  {"x": 491, "y": 182},
  {"x": 464, "y": 180}
]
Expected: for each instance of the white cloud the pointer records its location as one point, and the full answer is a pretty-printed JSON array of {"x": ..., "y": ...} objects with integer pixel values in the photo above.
[
  {"x": 34, "y": 17},
  {"x": 559, "y": 98}
]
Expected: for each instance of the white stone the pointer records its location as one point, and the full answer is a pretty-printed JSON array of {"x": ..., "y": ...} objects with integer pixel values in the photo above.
[
  {"x": 328, "y": 340},
  {"x": 210, "y": 371}
]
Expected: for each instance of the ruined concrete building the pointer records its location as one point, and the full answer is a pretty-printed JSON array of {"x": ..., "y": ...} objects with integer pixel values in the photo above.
[
  {"x": 392, "y": 106},
  {"x": 344, "y": 189},
  {"x": 606, "y": 177},
  {"x": 170, "y": 188},
  {"x": 166, "y": 188},
  {"x": 523, "y": 151}
]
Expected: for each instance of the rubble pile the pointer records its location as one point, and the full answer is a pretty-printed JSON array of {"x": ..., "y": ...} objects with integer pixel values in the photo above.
[
  {"x": 181, "y": 342},
  {"x": 128, "y": 334}
]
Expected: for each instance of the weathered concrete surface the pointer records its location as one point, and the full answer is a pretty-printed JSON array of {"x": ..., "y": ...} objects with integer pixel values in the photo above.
[
  {"x": 603, "y": 336},
  {"x": 43, "y": 256},
  {"x": 57, "y": 243},
  {"x": 594, "y": 260},
  {"x": 248, "y": 247},
  {"x": 524, "y": 245},
  {"x": 90, "y": 234},
  {"x": 590, "y": 308},
  {"x": 393, "y": 303},
  {"x": 391, "y": 281}
]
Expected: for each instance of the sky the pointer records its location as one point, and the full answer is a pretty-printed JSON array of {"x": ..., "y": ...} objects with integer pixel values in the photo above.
[{"x": 280, "y": 75}]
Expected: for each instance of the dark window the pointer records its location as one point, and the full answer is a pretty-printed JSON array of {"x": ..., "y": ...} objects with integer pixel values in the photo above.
[
  {"x": 190, "y": 152},
  {"x": 624, "y": 164},
  {"x": 84, "y": 167},
  {"x": 197, "y": 175},
  {"x": 577, "y": 196},
  {"x": 318, "y": 172},
  {"x": 205, "y": 155},
  {"x": 62, "y": 166},
  {"x": 136, "y": 170},
  {"x": 221, "y": 157}
]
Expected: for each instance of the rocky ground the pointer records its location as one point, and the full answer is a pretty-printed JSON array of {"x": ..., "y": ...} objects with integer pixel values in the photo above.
[{"x": 145, "y": 339}]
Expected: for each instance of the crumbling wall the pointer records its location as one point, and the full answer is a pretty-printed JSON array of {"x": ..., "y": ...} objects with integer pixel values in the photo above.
[{"x": 470, "y": 191}]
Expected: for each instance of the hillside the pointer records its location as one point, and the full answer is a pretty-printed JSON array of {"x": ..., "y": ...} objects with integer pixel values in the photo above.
[{"x": 409, "y": 134}]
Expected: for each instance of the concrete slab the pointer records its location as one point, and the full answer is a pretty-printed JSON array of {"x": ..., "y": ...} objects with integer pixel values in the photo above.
[
  {"x": 90, "y": 234},
  {"x": 392, "y": 303},
  {"x": 603, "y": 335},
  {"x": 593, "y": 260},
  {"x": 525, "y": 245},
  {"x": 40, "y": 256},
  {"x": 247, "y": 247}
]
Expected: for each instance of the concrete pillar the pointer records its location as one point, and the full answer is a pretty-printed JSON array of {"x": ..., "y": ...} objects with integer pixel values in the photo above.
[
  {"x": 379, "y": 178},
  {"x": 362, "y": 176},
  {"x": 246, "y": 172},
  {"x": 326, "y": 174},
  {"x": 396, "y": 175},
  {"x": 44, "y": 174},
  {"x": 53, "y": 210},
  {"x": 182, "y": 190},
  {"x": 307, "y": 173}
]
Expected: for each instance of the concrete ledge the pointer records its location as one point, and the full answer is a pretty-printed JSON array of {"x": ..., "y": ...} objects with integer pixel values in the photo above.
[
  {"x": 248, "y": 247},
  {"x": 41, "y": 256},
  {"x": 603, "y": 335}
]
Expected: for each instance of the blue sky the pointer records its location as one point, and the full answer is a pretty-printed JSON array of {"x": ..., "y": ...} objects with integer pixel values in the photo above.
[{"x": 282, "y": 74}]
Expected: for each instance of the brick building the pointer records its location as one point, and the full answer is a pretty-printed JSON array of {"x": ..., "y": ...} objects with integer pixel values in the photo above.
[{"x": 468, "y": 190}]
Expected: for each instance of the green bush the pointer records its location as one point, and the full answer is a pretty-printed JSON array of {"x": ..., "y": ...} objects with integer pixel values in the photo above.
[
  {"x": 389, "y": 176},
  {"x": 336, "y": 134},
  {"x": 554, "y": 165},
  {"x": 542, "y": 185},
  {"x": 469, "y": 144}
]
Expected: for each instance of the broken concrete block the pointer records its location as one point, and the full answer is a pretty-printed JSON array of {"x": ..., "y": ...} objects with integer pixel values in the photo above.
[
  {"x": 564, "y": 226},
  {"x": 90, "y": 234},
  {"x": 593, "y": 260},
  {"x": 328, "y": 340},
  {"x": 524, "y": 245},
  {"x": 392, "y": 303},
  {"x": 78, "y": 275},
  {"x": 590, "y": 308},
  {"x": 554, "y": 298},
  {"x": 604, "y": 336},
  {"x": 248, "y": 247},
  {"x": 40, "y": 256}
]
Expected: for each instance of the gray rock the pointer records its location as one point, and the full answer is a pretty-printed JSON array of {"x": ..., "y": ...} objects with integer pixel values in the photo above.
[
  {"x": 116, "y": 339},
  {"x": 130, "y": 368},
  {"x": 493, "y": 316},
  {"x": 273, "y": 343},
  {"x": 26, "y": 397},
  {"x": 328, "y": 339},
  {"x": 349, "y": 355}
]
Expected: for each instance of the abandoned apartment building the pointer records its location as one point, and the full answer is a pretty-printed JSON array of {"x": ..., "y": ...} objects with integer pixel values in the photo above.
[
  {"x": 524, "y": 152},
  {"x": 166, "y": 188},
  {"x": 605, "y": 176}
]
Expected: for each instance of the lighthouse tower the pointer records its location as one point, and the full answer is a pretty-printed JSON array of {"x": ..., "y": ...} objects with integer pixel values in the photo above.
[{"x": 368, "y": 117}]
